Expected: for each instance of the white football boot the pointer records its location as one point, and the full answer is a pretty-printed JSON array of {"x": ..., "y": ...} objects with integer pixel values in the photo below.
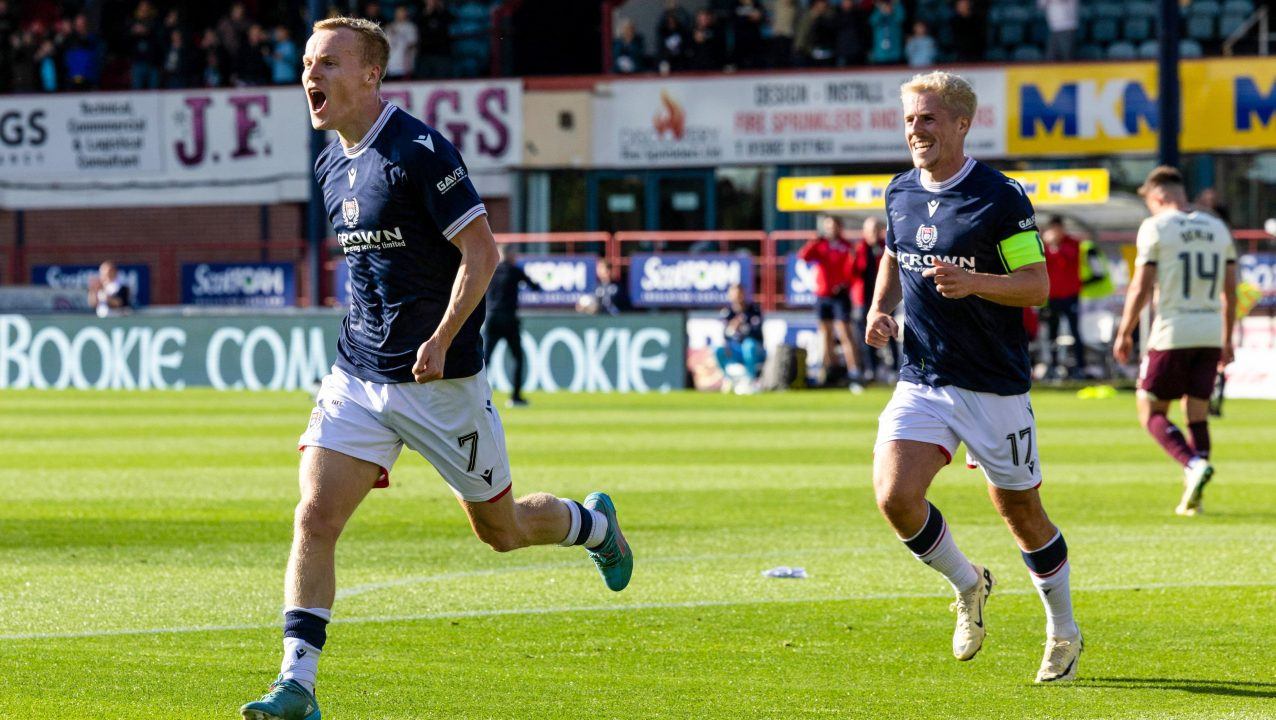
[
  {"x": 1195, "y": 476},
  {"x": 968, "y": 637},
  {"x": 1060, "y": 661}
]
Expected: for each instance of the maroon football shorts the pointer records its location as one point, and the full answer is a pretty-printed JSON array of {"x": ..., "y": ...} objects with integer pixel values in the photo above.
[{"x": 1171, "y": 374}]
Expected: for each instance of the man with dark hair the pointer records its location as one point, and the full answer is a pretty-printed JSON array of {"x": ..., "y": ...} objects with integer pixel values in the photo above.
[
  {"x": 741, "y": 339},
  {"x": 1185, "y": 258},
  {"x": 867, "y": 259},
  {"x": 502, "y": 317},
  {"x": 434, "y": 55}
]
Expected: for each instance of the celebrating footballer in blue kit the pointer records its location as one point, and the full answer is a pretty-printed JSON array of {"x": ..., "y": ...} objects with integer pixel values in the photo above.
[
  {"x": 964, "y": 257},
  {"x": 409, "y": 367}
]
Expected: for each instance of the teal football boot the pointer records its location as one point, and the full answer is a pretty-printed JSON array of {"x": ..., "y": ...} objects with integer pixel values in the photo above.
[
  {"x": 613, "y": 557},
  {"x": 287, "y": 700}
]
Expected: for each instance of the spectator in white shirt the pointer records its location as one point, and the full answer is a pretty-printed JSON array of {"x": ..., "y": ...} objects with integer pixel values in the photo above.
[
  {"x": 403, "y": 41},
  {"x": 1061, "y": 17}
]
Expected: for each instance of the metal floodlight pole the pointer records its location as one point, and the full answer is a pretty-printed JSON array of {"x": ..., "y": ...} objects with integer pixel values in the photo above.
[
  {"x": 316, "y": 216},
  {"x": 1168, "y": 100}
]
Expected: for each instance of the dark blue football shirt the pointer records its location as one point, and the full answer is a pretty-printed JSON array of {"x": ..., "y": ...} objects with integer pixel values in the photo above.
[
  {"x": 982, "y": 221},
  {"x": 395, "y": 201}
]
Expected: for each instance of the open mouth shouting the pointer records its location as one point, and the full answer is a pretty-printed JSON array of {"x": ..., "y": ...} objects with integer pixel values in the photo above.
[{"x": 318, "y": 100}]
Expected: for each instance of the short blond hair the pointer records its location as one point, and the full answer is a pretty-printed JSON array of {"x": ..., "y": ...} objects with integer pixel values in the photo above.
[
  {"x": 954, "y": 91},
  {"x": 372, "y": 39}
]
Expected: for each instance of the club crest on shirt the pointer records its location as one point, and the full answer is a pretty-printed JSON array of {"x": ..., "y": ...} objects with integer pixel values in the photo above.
[
  {"x": 927, "y": 236},
  {"x": 350, "y": 211}
]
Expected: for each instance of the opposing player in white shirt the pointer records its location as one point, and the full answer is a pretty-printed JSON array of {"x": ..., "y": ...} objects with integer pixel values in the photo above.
[{"x": 1185, "y": 259}]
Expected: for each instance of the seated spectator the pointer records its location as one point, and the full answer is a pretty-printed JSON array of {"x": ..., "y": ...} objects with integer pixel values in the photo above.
[
  {"x": 403, "y": 37},
  {"x": 24, "y": 75},
  {"x": 707, "y": 50},
  {"x": 252, "y": 66},
  {"x": 848, "y": 46},
  {"x": 372, "y": 11},
  {"x": 285, "y": 63},
  {"x": 9, "y": 39},
  {"x": 82, "y": 56},
  {"x": 675, "y": 12},
  {"x": 46, "y": 61},
  {"x": 742, "y": 339},
  {"x": 823, "y": 43},
  {"x": 921, "y": 48},
  {"x": 435, "y": 49},
  {"x": 887, "y": 22},
  {"x": 750, "y": 18},
  {"x": 179, "y": 69},
  {"x": 783, "y": 25},
  {"x": 1061, "y": 18},
  {"x": 214, "y": 69},
  {"x": 628, "y": 51},
  {"x": 672, "y": 51},
  {"x": 232, "y": 31},
  {"x": 107, "y": 294},
  {"x": 147, "y": 47},
  {"x": 968, "y": 33},
  {"x": 610, "y": 297}
]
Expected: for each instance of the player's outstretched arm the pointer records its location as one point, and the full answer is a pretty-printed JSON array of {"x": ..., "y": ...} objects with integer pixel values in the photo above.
[
  {"x": 478, "y": 262},
  {"x": 1026, "y": 286},
  {"x": 880, "y": 325},
  {"x": 1137, "y": 297}
]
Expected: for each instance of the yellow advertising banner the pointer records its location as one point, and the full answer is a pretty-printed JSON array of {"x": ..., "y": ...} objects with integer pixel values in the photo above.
[
  {"x": 1093, "y": 109},
  {"x": 868, "y": 192},
  {"x": 1229, "y": 104}
]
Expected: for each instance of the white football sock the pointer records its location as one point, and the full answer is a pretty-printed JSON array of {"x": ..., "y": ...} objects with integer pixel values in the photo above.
[
  {"x": 1057, "y": 597},
  {"x": 934, "y": 545},
  {"x": 301, "y": 662},
  {"x": 577, "y": 532}
]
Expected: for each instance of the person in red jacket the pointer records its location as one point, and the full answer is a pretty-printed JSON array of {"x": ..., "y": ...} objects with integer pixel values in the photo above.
[
  {"x": 1063, "y": 264},
  {"x": 833, "y": 258}
]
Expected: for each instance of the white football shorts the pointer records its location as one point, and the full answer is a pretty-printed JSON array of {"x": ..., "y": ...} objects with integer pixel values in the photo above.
[
  {"x": 449, "y": 422},
  {"x": 999, "y": 430}
]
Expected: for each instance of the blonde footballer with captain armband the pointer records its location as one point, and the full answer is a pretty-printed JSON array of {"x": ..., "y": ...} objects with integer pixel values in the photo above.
[{"x": 964, "y": 257}]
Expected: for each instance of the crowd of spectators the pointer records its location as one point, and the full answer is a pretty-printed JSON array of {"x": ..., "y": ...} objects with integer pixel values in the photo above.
[
  {"x": 50, "y": 45},
  {"x": 744, "y": 34},
  {"x": 47, "y": 46}
]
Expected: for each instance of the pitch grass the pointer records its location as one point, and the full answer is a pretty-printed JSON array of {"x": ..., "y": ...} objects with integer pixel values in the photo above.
[{"x": 143, "y": 539}]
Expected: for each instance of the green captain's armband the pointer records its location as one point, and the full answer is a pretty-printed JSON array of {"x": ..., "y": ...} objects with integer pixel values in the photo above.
[{"x": 1022, "y": 249}]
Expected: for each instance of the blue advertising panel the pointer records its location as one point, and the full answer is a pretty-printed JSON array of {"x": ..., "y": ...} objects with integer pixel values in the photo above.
[
  {"x": 799, "y": 282},
  {"x": 1259, "y": 270},
  {"x": 242, "y": 284},
  {"x": 564, "y": 279},
  {"x": 66, "y": 277},
  {"x": 686, "y": 279}
]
